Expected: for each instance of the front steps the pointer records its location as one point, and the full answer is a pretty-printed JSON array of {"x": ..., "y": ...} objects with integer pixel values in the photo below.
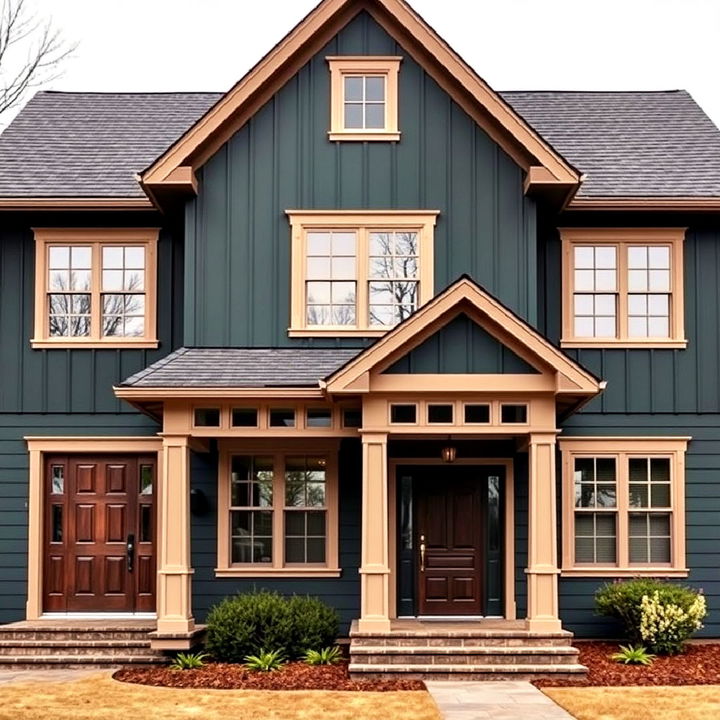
[
  {"x": 462, "y": 651},
  {"x": 64, "y": 644}
]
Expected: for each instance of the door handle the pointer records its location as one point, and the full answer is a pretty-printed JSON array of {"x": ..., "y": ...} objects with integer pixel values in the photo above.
[
  {"x": 130, "y": 552},
  {"x": 422, "y": 553}
]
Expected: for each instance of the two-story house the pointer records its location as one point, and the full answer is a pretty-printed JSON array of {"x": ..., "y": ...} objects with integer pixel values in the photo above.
[{"x": 364, "y": 328}]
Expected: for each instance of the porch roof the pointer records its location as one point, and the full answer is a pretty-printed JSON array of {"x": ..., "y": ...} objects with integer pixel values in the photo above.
[{"x": 242, "y": 368}]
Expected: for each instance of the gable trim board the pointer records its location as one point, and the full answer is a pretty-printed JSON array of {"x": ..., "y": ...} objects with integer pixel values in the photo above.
[
  {"x": 486, "y": 107},
  {"x": 645, "y": 203},
  {"x": 75, "y": 203}
]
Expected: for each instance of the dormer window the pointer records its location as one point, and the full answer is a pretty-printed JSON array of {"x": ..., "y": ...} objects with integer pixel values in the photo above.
[{"x": 364, "y": 98}]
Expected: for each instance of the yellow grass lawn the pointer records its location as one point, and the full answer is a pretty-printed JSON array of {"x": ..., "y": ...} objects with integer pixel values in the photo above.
[
  {"x": 689, "y": 702},
  {"x": 98, "y": 697}
]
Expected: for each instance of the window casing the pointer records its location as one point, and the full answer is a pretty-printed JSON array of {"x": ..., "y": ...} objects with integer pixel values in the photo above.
[
  {"x": 623, "y": 506},
  {"x": 364, "y": 98},
  {"x": 278, "y": 511},
  {"x": 358, "y": 273},
  {"x": 623, "y": 287},
  {"x": 95, "y": 288}
]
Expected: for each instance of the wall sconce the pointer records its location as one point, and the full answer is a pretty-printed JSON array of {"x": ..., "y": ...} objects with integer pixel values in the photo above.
[{"x": 448, "y": 453}]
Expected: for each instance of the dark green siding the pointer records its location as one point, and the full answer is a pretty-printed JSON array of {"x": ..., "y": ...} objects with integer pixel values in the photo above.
[
  {"x": 462, "y": 346},
  {"x": 238, "y": 238}
]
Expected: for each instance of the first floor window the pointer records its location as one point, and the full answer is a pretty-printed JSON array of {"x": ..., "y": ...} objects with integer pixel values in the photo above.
[
  {"x": 624, "y": 503},
  {"x": 281, "y": 509}
]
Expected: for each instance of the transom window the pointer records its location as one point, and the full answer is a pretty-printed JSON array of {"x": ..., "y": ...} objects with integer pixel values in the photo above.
[
  {"x": 623, "y": 504},
  {"x": 95, "y": 287},
  {"x": 364, "y": 98},
  {"x": 359, "y": 271},
  {"x": 281, "y": 512},
  {"x": 623, "y": 287}
]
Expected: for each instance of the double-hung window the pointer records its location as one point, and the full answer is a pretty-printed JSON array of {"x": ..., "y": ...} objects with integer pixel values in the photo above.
[
  {"x": 359, "y": 273},
  {"x": 623, "y": 506},
  {"x": 95, "y": 288},
  {"x": 623, "y": 287}
]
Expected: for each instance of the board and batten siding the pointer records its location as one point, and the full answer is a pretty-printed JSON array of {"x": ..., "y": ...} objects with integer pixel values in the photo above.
[{"x": 238, "y": 237}]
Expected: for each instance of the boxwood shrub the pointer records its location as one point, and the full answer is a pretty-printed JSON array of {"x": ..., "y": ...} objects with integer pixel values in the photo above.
[{"x": 249, "y": 623}]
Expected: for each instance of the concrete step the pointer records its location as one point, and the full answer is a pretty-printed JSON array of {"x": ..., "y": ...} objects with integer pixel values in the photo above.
[
  {"x": 465, "y": 672},
  {"x": 28, "y": 662}
]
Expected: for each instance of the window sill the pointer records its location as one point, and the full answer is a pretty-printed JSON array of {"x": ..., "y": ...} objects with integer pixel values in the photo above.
[
  {"x": 336, "y": 332},
  {"x": 624, "y": 572},
  {"x": 264, "y": 572},
  {"x": 648, "y": 344},
  {"x": 343, "y": 136},
  {"x": 82, "y": 344}
]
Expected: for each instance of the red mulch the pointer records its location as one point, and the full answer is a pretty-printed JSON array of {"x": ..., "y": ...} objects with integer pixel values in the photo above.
[
  {"x": 293, "y": 676},
  {"x": 699, "y": 665}
]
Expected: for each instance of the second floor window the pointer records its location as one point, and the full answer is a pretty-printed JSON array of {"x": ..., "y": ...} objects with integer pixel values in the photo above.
[
  {"x": 95, "y": 287},
  {"x": 622, "y": 287},
  {"x": 359, "y": 273}
]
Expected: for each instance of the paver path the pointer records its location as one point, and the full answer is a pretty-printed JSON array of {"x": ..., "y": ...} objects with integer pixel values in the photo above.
[{"x": 507, "y": 700}]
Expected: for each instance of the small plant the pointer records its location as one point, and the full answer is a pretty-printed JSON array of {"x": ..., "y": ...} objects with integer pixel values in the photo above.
[
  {"x": 188, "y": 661},
  {"x": 633, "y": 655},
  {"x": 265, "y": 661},
  {"x": 665, "y": 626},
  {"x": 326, "y": 656}
]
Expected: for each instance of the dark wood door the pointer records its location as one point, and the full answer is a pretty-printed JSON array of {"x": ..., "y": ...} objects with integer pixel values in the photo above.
[
  {"x": 99, "y": 534},
  {"x": 449, "y": 525}
]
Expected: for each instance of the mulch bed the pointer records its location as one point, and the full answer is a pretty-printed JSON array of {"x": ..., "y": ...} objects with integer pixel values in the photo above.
[
  {"x": 293, "y": 676},
  {"x": 699, "y": 665}
]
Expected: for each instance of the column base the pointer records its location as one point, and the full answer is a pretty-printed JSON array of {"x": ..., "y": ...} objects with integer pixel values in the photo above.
[
  {"x": 543, "y": 625},
  {"x": 175, "y": 626},
  {"x": 374, "y": 625}
]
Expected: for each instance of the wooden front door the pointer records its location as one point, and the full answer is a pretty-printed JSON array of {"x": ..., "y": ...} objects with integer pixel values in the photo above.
[
  {"x": 449, "y": 536},
  {"x": 99, "y": 534}
]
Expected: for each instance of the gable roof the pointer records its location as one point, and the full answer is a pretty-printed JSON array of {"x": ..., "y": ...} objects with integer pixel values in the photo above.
[
  {"x": 465, "y": 295},
  {"x": 472, "y": 93}
]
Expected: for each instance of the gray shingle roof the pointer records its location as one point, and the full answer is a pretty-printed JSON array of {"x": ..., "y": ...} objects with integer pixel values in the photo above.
[
  {"x": 242, "y": 367},
  {"x": 657, "y": 144},
  {"x": 92, "y": 144}
]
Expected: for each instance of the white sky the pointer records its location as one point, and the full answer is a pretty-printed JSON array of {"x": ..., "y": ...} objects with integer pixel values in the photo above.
[{"x": 513, "y": 44}]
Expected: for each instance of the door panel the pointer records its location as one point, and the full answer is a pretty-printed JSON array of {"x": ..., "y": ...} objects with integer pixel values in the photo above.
[{"x": 93, "y": 505}]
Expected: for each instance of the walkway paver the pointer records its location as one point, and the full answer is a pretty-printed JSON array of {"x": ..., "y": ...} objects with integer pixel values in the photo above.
[
  {"x": 507, "y": 700},
  {"x": 29, "y": 676}
]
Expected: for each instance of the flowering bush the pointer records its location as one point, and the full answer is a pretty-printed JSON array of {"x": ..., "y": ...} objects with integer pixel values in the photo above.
[
  {"x": 659, "y": 615},
  {"x": 665, "y": 626}
]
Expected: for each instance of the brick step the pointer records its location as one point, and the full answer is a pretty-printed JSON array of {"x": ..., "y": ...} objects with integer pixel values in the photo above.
[
  {"x": 72, "y": 635},
  {"x": 75, "y": 647},
  {"x": 369, "y": 671},
  {"x": 459, "y": 639},
  {"x": 29, "y": 662},
  {"x": 456, "y": 655}
]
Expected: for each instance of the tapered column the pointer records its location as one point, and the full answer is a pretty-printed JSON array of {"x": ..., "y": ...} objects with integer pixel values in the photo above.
[
  {"x": 542, "y": 571},
  {"x": 375, "y": 567},
  {"x": 174, "y": 569}
]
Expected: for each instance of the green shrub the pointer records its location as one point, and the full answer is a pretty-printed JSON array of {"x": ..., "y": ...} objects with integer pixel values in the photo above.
[
  {"x": 265, "y": 661},
  {"x": 659, "y": 615},
  {"x": 633, "y": 655},
  {"x": 248, "y": 623},
  {"x": 326, "y": 656},
  {"x": 188, "y": 661}
]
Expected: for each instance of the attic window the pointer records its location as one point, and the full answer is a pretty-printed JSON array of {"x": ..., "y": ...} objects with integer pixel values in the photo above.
[{"x": 364, "y": 98}]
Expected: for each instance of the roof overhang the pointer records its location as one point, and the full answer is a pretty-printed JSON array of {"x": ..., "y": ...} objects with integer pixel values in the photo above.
[{"x": 174, "y": 171}]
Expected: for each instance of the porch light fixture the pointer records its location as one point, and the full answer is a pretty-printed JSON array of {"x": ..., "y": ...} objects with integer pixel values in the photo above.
[{"x": 448, "y": 453}]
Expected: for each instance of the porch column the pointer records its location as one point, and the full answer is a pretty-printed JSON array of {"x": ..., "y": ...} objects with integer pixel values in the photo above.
[
  {"x": 542, "y": 571},
  {"x": 375, "y": 560},
  {"x": 174, "y": 606}
]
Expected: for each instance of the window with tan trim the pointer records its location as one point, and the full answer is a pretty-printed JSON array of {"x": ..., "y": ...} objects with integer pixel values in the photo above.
[
  {"x": 623, "y": 506},
  {"x": 359, "y": 273},
  {"x": 364, "y": 98},
  {"x": 278, "y": 512},
  {"x": 623, "y": 287},
  {"x": 95, "y": 287}
]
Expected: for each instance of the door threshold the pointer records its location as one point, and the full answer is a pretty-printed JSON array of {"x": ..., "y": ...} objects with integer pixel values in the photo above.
[
  {"x": 444, "y": 618},
  {"x": 98, "y": 616}
]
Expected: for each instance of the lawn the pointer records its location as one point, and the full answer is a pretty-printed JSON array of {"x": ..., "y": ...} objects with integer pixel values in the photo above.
[
  {"x": 99, "y": 697},
  {"x": 698, "y": 702}
]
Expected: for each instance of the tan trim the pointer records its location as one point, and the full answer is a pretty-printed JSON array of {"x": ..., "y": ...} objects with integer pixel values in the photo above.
[
  {"x": 215, "y": 393},
  {"x": 386, "y": 67},
  {"x": 621, "y": 239},
  {"x": 621, "y": 449},
  {"x": 509, "y": 521},
  {"x": 301, "y": 445},
  {"x": 228, "y": 115},
  {"x": 499, "y": 321},
  {"x": 363, "y": 223},
  {"x": 39, "y": 446},
  {"x": 96, "y": 239},
  {"x": 73, "y": 203},
  {"x": 645, "y": 203}
]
